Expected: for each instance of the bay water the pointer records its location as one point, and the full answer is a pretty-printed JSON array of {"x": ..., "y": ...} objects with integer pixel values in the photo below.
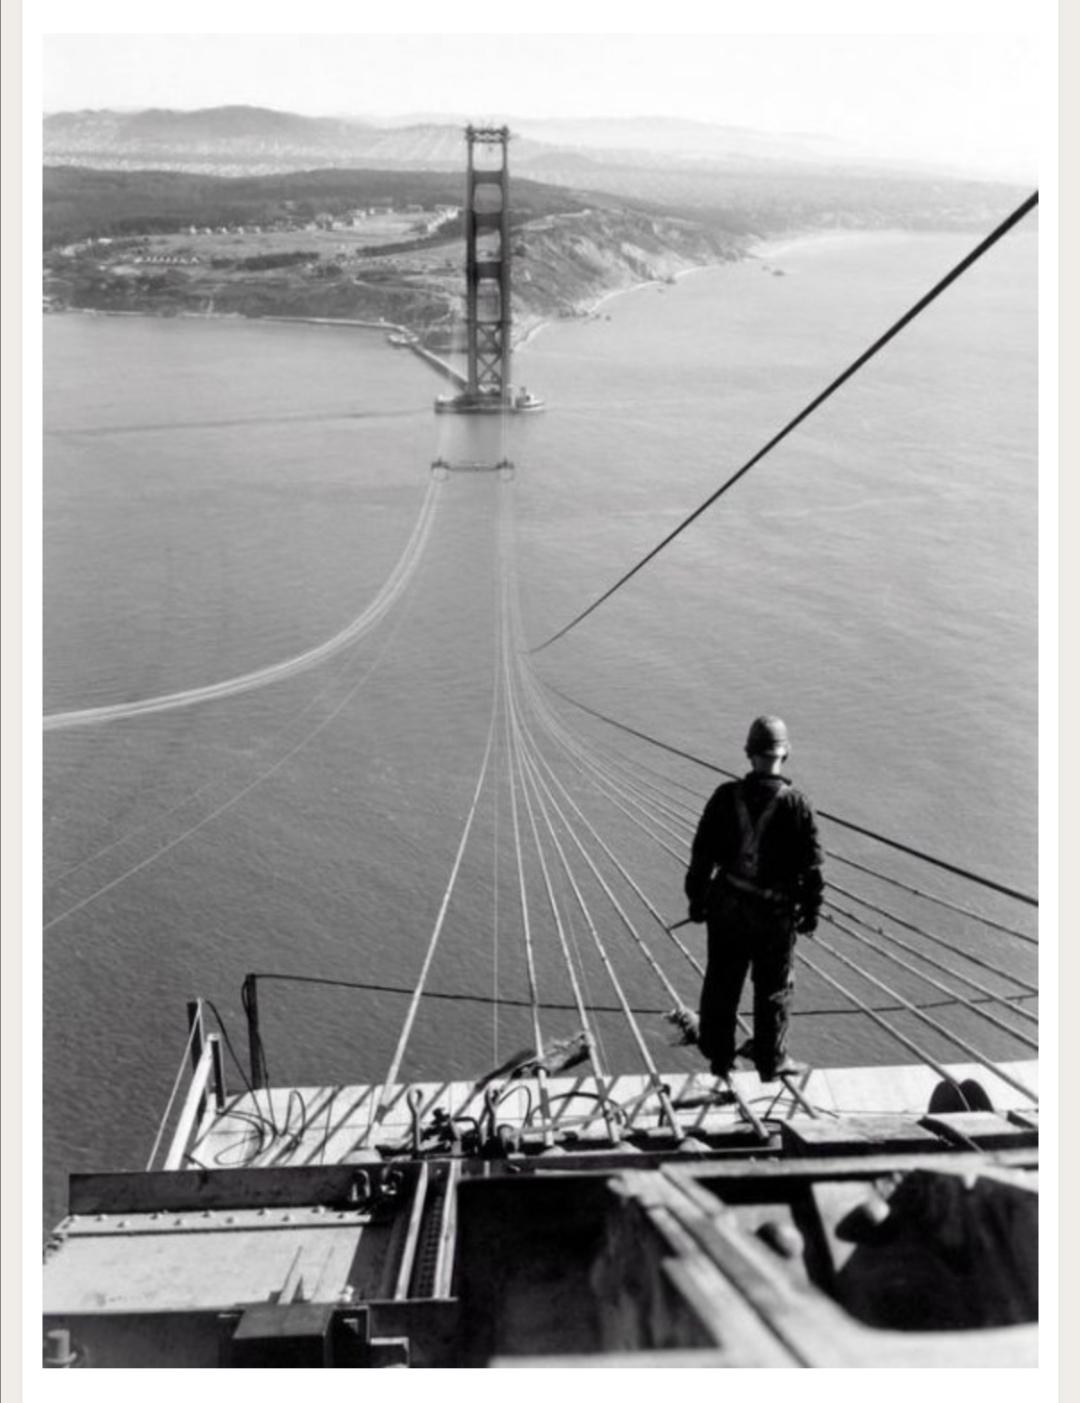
[{"x": 222, "y": 495}]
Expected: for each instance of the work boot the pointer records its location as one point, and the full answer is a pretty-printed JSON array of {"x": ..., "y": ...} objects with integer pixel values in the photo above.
[{"x": 786, "y": 1067}]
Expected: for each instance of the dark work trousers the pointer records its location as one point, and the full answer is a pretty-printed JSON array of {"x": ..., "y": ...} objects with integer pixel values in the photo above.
[{"x": 747, "y": 933}]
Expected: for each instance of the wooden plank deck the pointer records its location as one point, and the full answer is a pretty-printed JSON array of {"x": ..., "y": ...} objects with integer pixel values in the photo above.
[{"x": 345, "y": 1124}]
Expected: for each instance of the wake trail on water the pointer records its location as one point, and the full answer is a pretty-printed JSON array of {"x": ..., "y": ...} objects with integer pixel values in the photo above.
[
  {"x": 196, "y": 824},
  {"x": 178, "y": 425},
  {"x": 394, "y": 586}
]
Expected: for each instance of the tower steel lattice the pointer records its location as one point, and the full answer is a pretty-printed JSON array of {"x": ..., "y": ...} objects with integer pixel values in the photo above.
[
  {"x": 486, "y": 387},
  {"x": 487, "y": 267}
]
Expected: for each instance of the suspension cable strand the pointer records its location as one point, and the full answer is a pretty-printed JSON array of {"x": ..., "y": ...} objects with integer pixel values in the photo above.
[
  {"x": 617, "y": 769},
  {"x": 495, "y": 931},
  {"x": 621, "y": 762},
  {"x": 581, "y": 1009},
  {"x": 650, "y": 959},
  {"x": 951, "y": 993},
  {"x": 822, "y": 813},
  {"x": 1006, "y": 1000},
  {"x": 548, "y": 805},
  {"x": 414, "y": 1003},
  {"x": 337, "y": 670},
  {"x": 960, "y": 999},
  {"x": 523, "y": 896},
  {"x": 609, "y": 789},
  {"x": 936, "y": 984},
  {"x": 953, "y": 998},
  {"x": 650, "y": 906},
  {"x": 624, "y": 873},
  {"x": 667, "y": 1109},
  {"x": 612, "y": 1113},
  {"x": 936, "y": 900},
  {"x": 544, "y": 714},
  {"x": 294, "y": 749},
  {"x": 390, "y": 591},
  {"x": 541, "y": 790},
  {"x": 609, "y": 1110},
  {"x": 579, "y": 1001},
  {"x": 830, "y": 389},
  {"x": 527, "y": 684},
  {"x": 926, "y": 935},
  {"x": 669, "y": 988},
  {"x": 635, "y": 763},
  {"x": 875, "y": 1016},
  {"x": 517, "y": 782},
  {"x": 639, "y": 798},
  {"x": 932, "y": 1023}
]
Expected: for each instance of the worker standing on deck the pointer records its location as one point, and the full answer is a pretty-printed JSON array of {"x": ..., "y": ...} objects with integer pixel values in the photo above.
[{"x": 755, "y": 878}]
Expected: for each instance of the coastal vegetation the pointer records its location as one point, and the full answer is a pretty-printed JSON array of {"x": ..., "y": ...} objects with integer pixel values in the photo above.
[{"x": 387, "y": 244}]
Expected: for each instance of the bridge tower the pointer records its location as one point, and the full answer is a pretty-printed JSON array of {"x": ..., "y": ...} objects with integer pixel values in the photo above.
[
  {"x": 487, "y": 281},
  {"x": 487, "y": 266}
]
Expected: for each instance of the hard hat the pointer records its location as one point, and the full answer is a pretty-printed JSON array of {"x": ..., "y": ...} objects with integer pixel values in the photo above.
[{"x": 768, "y": 736}]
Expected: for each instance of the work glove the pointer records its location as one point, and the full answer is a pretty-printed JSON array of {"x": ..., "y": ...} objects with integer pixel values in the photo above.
[
  {"x": 697, "y": 912},
  {"x": 806, "y": 923}
]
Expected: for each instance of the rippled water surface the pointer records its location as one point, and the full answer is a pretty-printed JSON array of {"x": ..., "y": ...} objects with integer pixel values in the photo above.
[{"x": 223, "y": 496}]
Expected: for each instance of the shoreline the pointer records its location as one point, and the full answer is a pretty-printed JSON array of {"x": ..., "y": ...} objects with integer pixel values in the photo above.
[
  {"x": 591, "y": 309},
  {"x": 791, "y": 243},
  {"x": 227, "y": 317},
  {"x": 533, "y": 325}
]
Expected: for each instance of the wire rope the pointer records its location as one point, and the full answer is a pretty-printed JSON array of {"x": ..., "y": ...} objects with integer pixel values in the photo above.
[
  {"x": 1020, "y": 1012},
  {"x": 275, "y": 735},
  {"x": 976, "y": 253},
  {"x": 905, "y": 848},
  {"x": 414, "y": 1003},
  {"x": 1029, "y": 989},
  {"x": 582, "y": 1009},
  {"x": 621, "y": 869},
  {"x": 549, "y": 721},
  {"x": 936, "y": 900},
  {"x": 235, "y": 798},
  {"x": 862, "y": 1007},
  {"x": 579, "y": 1000},
  {"x": 891, "y": 915},
  {"x": 391, "y": 590},
  {"x": 954, "y": 997},
  {"x": 523, "y": 895},
  {"x": 960, "y": 999},
  {"x": 543, "y": 797},
  {"x": 602, "y": 882},
  {"x": 899, "y": 920},
  {"x": 510, "y": 622},
  {"x": 930, "y": 1021}
]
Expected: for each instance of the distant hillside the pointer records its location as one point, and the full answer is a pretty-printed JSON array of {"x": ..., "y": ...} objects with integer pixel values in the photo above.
[
  {"x": 239, "y": 140},
  {"x": 259, "y": 140},
  {"x": 739, "y": 181},
  {"x": 81, "y": 204},
  {"x": 259, "y": 135},
  {"x": 681, "y": 138}
]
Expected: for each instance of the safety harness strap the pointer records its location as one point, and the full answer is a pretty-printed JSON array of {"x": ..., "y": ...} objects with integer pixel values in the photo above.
[{"x": 750, "y": 834}]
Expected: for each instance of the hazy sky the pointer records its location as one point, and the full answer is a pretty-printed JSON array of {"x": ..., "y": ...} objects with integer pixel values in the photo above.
[{"x": 966, "y": 99}]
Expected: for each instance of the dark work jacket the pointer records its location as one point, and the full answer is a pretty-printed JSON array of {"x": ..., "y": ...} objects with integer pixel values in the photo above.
[{"x": 789, "y": 857}]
